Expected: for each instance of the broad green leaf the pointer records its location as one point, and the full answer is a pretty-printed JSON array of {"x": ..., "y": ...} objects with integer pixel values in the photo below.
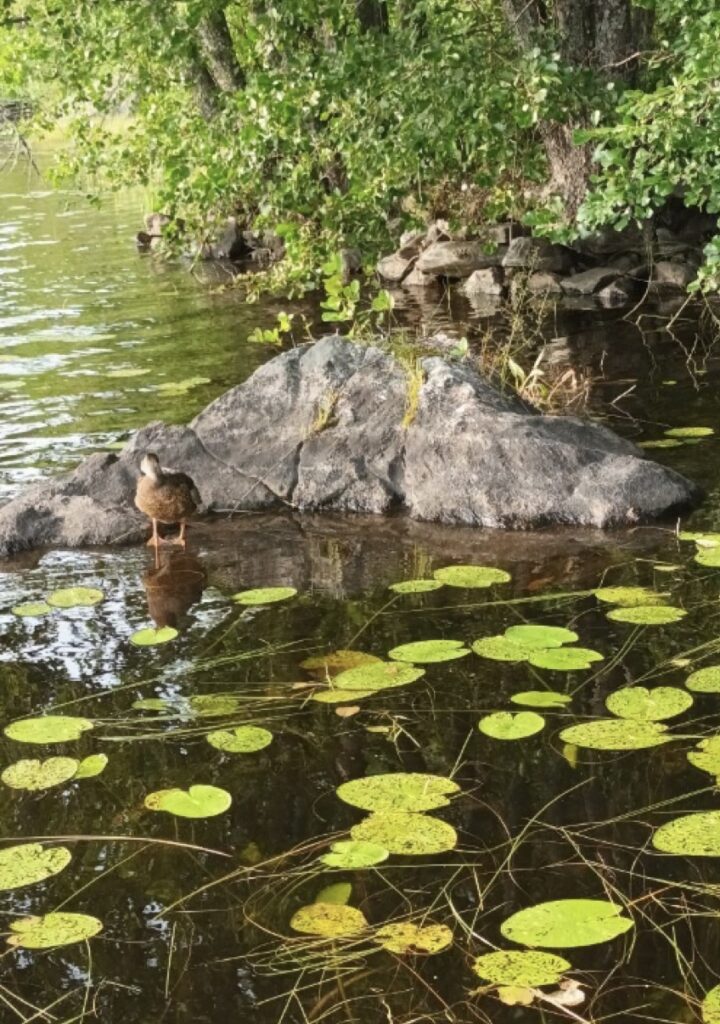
[
  {"x": 329, "y": 920},
  {"x": 692, "y": 835},
  {"x": 629, "y": 597},
  {"x": 429, "y": 651},
  {"x": 333, "y": 696},
  {"x": 404, "y": 937},
  {"x": 351, "y": 854},
  {"x": 48, "y": 729},
  {"x": 526, "y": 968},
  {"x": 35, "y": 775},
  {"x": 398, "y": 791},
  {"x": 710, "y": 1007},
  {"x": 406, "y": 833},
  {"x": 540, "y": 637},
  {"x": 331, "y": 664},
  {"x": 709, "y": 540},
  {"x": 647, "y": 615},
  {"x": 208, "y": 705},
  {"x": 689, "y": 432},
  {"x": 338, "y": 893},
  {"x": 645, "y": 705},
  {"x": 196, "y": 802},
  {"x": 616, "y": 734},
  {"x": 707, "y": 756},
  {"x": 91, "y": 766},
  {"x": 244, "y": 739},
  {"x": 151, "y": 637},
  {"x": 415, "y": 586},
  {"x": 566, "y": 923},
  {"x": 380, "y": 676},
  {"x": 264, "y": 595},
  {"x": 661, "y": 442},
  {"x": 471, "y": 576},
  {"x": 57, "y": 929},
  {"x": 704, "y": 680},
  {"x": 31, "y": 863},
  {"x": 31, "y": 609},
  {"x": 564, "y": 659},
  {"x": 541, "y": 698},
  {"x": 511, "y": 725},
  {"x": 515, "y": 995},
  {"x": 709, "y": 557},
  {"x": 75, "y": 597},
  {"x": 500, "y": 648}
]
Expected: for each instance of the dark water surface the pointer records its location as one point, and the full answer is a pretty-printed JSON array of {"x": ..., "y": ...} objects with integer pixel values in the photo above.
[{"x": 196, "y": 912}]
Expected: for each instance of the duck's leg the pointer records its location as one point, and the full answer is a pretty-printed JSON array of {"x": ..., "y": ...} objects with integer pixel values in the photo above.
[
  {"x": 181, "y": 537},
  {"x": 154, "y": 539}
]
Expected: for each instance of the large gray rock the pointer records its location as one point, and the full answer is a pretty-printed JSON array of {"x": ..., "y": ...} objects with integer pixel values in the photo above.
[
  {"x": 590, "y": 281},
  {"x": 457, "y": 259},
  {"x": 536, "y": 254},
  {"x": 342, "y": 427}
]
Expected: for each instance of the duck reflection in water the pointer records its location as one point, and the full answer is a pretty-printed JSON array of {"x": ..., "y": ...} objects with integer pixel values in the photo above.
[{"x": 173, "y": 584}]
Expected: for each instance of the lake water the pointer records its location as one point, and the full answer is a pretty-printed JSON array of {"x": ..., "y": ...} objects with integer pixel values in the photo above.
[{"x": 96, "y": 340}]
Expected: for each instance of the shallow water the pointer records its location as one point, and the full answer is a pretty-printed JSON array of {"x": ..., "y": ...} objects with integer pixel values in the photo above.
[{"x": 196, "y": 912}]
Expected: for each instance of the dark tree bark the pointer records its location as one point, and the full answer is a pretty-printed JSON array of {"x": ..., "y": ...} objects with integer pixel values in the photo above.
[
  {"x": 372, "y": 15},
  {"x": 218, "y": 53}
]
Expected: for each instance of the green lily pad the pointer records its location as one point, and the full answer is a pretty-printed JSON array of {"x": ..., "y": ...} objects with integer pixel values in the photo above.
[
  {"x": 689, "y": 432},
  {"x": 499, "y": 648},
  {"x": 709, "y": 557},
  {"x": 616, "y": 734},
  {"x": 540, "y": 637},
  {"x": 521, "y": 967},
  {"x": 429, "y": 651},
  {"x": 564, "y": 659},
  {"x": 31, "y": 609},
  {"x": 196, "y": 802},
  {"x": 128, "y": 371},
  {"x": 709, "y": 540},
  {"x": 48, "y": 729},
  {"x": 338, "y": 893},
  {"x": 415, "y": 586},
  {"x": 509, "y": 725},
  {"x": 334, "y": 696},
  {"x": 329, "y": 920},
  {"x": 264, "y": 595},
  {"x": 398, "y": 791},
  {"x": 208, "y": 705},
  {"x": 629, "y": 597},
  {"x": 380, "y": 676},
  {"x": 692, "y": 835},
  {"x": 75, "y": 597},
  {"x": 405, "y": 833},
  {"x": 352, "y": 854},
  {"x": 647, "y": 615},
  {"x": 710, "y": 1006},
  {"x": 566, "y": 923},
  {"x": 471, "y": 576},
  {"x": 329, "y": 665},
  {"x": 58, "y": 929},
  {"x": 405, "y": 937},
  {"x": 151, "y": 637},
  {"x": 31, "y": 863},
  {"x": 91, "y": 766},
  {"x": 36, "y": 775},
  {"x": 637, "y": 702},
  {"x": 244, "y": 739},
  {"x": 661, "y": 442},
  {"x": 541, "y": 698},
  {"x": 704, "y": 680},
  {"x": 707, "y": 756}
]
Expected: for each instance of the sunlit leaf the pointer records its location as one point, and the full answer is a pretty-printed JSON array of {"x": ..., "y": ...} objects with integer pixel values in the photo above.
[
  {"x": 333, "y": 696},
  {"x": 707, "y": 756},
  {"x": 244, "y": 739},
  {"x": 351, "y": 854},
  {"x": 471, "y": 576},
  {"x": 404, "y": 937},
  {"x": 406, "y": 833},
  {"x": 692, "y": 835},
  {"x": 647, "y": 615},
  {"x": 429, "y": 651},
  {"x": 209, "y": 705},
  {"x": 415, "y": 586},
  {"x": 499, "y": 648},
  {"x": 35, "y": 775},
  {"x": 520, "y": 967},
  {"x": 629, "y": 597},
  {"x": 196, "y": 802},
  {"x": 710, "y": 1006},
  {"x": 180, "y": 387},
  {"x": 616, "y": 734},
  {"x": 649, "y": 705},
  {"x": 398, "y": 791},
  {"x": 541, "y": 698},
  {"x": 704, "y": 680},
  {"x": 540, "y": 637},
  {"x": 75, "y": 597},
  {"x": 661, "y": 442},
  {"x": 264, "y": 595},
  {"x": 31, "y": 609},
  {"x": 567, "y": 923},
  {"x": 338, "y": 893},
  {"x": 31, "y": 863},
  {"x": 709, "y": 557},
  {"x": 689, "y": 432},
  {"x": 329, "y": 920},
  {"x": 48, "y": 729},
  {"x": 516, "y": 995},
  {"x": 380, "y": 676},
  {"x": 564, "y": 659},
  {"x": 91, "y": 766},
  {"x": 709, "y": 540},
  {"x": 57, "y": 929},
  {"x": 331, "y": 664},
  {"x": 151, "y": 637},
  {"x": 511, "y": 725}
]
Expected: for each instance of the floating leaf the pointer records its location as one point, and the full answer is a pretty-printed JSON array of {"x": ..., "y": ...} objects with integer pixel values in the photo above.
[
  {"x": 405, "y": 833},
  {"x": 689, "y": 432},
  {"x": 707, "y": 757},
  {"x": 398, "y": 791},
  {"x": 540, "y": 637},
  {"x": 709, "y": 557},
  {"x": 151, "y": 637},
  {"x": 564, "y": 659},
  {"x": 197, "y": 802},
  {"x": 75, "y": 597},
  {"x": 661, "y": 442},
  {"x": 58, "y": 929},
  {"x": 629, "y": 597},
  {"x": 710, "y": 1006},
  {"x": 471, "y": 576},
  {"x": 244, "y": 739},
  {"x": 329, "y": 665},
  {"x": 31, "y": 609},
  {"x": 351, "y": 854},
  {"x": 499, "y": 648},
  {"x": 404, "y": 937},
  {"x": 541, "y": 698},
  {"x": 520, "y": 967},
  {"x": 415, "y": 586},
  {"x": 180, "y": 387},
  {"x": 208, "y": 705},
  {"x": 339, "y": 893},
  {"x": 692, "y": 835},
  {"x": 48, "y": 729},
  {"x": 329, "y": 920},
  {"x": 616, "y": 734},
  {"x": 704, "y": 680},
  {"x": 567, "y": 923},
  {"x": 35, "y": 775},
  {"x": 333, "y": 696},
  {"x": 380, "y": 676},
  {"x": 515, "y": 995},
  {"x": 509, "y": 725},
  {"x": 647, "y": 615},
  {"x": 91, "y": 766},
  {"x": 709, "y": 540},
  {"x": 264, "y": 595},
  {"x": 645, "y": 705},
  {"x": 31, "y": 863},
  {"x": 429, "y": 651}
]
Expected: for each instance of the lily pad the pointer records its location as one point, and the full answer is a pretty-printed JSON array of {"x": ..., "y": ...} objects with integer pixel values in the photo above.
[
  {"x": 31, "y": 609},
  {"x": 196, "y": 802},
  {"x": 338, "y": 893},
  {"x": 509, "y": 725},
  {"x": 91, "y": 766},
  {"x": 540, "y": 637},
  {"x": 151, "y": 637},
  {"x": 637, "y": 702},
  {"x": 331, "y": 664},
  {"x": 692, "y": 835},
  {"x": 207, "y": 705},
  {"x": 471, "y": 576},
  {"x": 707, "y": 756},
  {"x": 521, "y": 967},
  {"x": 58, "y": 929},
  {"x": 629, "y": 597},
  {"x": 709, "y": 557},
  {"x": 500, "y": 648},
  {"x": 429, "y": 651},
  {"x": 415, "y": 586},
  {"x": 31, "y": 863},
  {"x": 647, "y": 615},
  {"x": 75, "y": 597},
  {"x": 616, "y": 734},
  {"x": 710, "y": 540},
  {"x": 689, "y": 432},
  {"x": 567, "y": 923},
  {"x": 710, "y": 1006},
  {"x": 264, "y": 595},
  {"x": 661, "y": 442},
  {"x": 48, "y": 729},
  {"x": 564, "y": 659},
  {"x": 329, "y": 920},
  {"x": 245, "y": 739},
  {"x": 380, "y": 676},
  {"x": 334, "y": 696},
  {"x": 405, "y": 937},
  {"x": 398, "y": 791},
  {"x": 352, "y": 854},
  {"x": 541, "y": 698},
  {"x": 704, "y": 680},
  {"x": 405, "y": 833},
  {"x": 180, "y": 387},
  {"x": 36, "y": 775}
]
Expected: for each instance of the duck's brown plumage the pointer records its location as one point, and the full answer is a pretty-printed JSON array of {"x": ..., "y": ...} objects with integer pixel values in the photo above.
[{"x": 164, "y": 494}]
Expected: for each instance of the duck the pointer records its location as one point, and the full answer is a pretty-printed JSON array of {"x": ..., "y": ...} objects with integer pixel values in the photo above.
[
  {"x": 173, "y": 586},
  {"x": 165, "y": 496}
]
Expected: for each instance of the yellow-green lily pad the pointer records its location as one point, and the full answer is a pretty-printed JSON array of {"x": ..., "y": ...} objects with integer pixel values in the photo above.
[
  {"x": 564, "y": 659},
  {"x": 526, "y": 968},
  {"x": 196, "y": 802},
  {"x": 415, "y": 586},
  {"x": 398, "y": 791},
  {"x": 48, "y": 729},
  {"x": 382, "y": 675},
  {"x": 510, "y": 725},
  {"x": 704, "y": 680},
  {"x": 541, "y": 698},
  {"x": 31, "y": 863},
  {"x": 629, "y": 597},
  {"x": 539, "y": 637},
  {"x": 616, "y": 734},
  {"x": 404, "y": 937},
  {"x": 500, "y": 648},
  {"x": 567, "y": 923},
  {"x": 689, "y": 432},
  {"x": 329, "y": 920},
  {"x": 692, "y": 835},
  {"x": 151, "y": 637},
  {"x": 647, "y": 615},
  {"x": 352, "y": 854},
  {"x": 334, "y": 696},
  {"x": 710, "y": 1006},
  {"x": 406, "y": 833},
  {"x": 328, "y": 665},
  {"x": 645, "y": 705},
  {"x": 244, "y": 739},
  {"x": 471, "y": 576},
  {"x": 429, "y": 651},
  {"x": 56, "y": 929},
  {"x": 31, "y": 609},
  {"x": 264, "y": 595},
  {"x": 75, "y": 597},
  {"x": 707, "y": 756},
  {"x": 35, "y": 775},
  {"x": 89, "y": 767}
]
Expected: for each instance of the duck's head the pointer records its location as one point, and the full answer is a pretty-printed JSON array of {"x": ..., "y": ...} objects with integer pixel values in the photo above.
[{"x": 150, "y": 465}]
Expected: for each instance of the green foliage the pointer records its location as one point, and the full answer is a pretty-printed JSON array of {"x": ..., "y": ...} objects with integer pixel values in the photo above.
[{"x": 567, "y": 923}]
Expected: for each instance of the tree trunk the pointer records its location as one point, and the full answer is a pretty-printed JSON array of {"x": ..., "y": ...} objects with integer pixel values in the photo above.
[
  {"x": 218, "y": 53},
  {"x": 372, "y": 15}
]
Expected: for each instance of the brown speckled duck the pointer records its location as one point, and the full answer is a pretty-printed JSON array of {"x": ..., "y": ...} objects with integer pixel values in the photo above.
[{"x": 165, "y": 496}]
